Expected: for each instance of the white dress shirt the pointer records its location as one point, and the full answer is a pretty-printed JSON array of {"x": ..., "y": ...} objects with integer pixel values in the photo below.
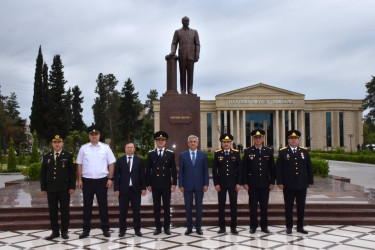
[{"x": 95, "y": 160}]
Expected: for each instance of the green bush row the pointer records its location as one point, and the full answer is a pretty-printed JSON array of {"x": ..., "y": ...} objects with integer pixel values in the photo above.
[{"x": 345, "y": 157}]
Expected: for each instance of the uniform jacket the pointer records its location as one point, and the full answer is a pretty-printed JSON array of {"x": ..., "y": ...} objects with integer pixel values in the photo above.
[
  {"x": 161, "y": 172},
  {"x": 294, "y": 171},
  {"x": 121, "y": 176},
  {"x": 59, "y": 175},
  {"x": 226, "y": 169},
  {"x": 189, "y": 45},
  {"x": 193, "y": 177},
  {"x": 258, "y": 168}
]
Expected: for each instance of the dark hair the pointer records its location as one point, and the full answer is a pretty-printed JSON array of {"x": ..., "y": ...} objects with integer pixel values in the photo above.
[{"x": 128, "y": 142}]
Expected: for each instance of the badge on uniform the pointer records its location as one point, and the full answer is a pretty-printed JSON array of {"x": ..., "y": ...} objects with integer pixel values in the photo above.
[
  {"x": 63, "y": 165},
  {"x": 287, "y": 156},
  {"x": 302, "y": 155},
  {"x": 221, "y": 158},
  {"x": 234, "y": 158},
  {"x": 49, "y": 160},
  {"x": 251, "y": 157}
]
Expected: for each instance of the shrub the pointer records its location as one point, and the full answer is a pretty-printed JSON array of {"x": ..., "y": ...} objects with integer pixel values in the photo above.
[
  {"x": 32, "y": 172},
  {"x": 12, "y": 166},
  {"x": 35, "y": 156},
  {"x": 320, "y": 167}
]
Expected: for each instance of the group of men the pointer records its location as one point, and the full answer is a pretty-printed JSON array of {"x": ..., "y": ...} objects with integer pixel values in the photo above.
[{"x": 98, "y": 170}]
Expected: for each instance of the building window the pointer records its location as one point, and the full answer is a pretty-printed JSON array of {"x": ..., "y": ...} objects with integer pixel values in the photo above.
[
  {"x": 307, "y": 130},
  {"x": 259, "y": 119},
  {"x": 328, "y": 129},
  {"x": 341, "y": 120},
  {"x": 209, "y": 130}
]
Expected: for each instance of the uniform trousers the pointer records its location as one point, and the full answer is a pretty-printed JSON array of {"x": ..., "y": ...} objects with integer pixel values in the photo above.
[
  {"x": 134, "y": 197},
  {"x": 260, "y": 195},
  {"x": 299, "y": 196},
  {"x": 222, "y": 196},
  {"x": 99, "y": 188},
  {"x": 157, "y": 195},
  {"x": 64, "y": 199},
  {"x": 188, "y": 195},
  {"x": 186, "y": 65}
]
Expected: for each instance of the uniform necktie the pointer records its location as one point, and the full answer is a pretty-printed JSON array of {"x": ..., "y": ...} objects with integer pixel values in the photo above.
[
  {"x": 226, "y": 153},
  {"x": 129, "y": 162},
  {"x": 160, "y": 151},
  {"x": 260, "y": 150},
  {"x": 57, "y": 155},
  {"x": 294, "y": 151},
  {"x": 193, "y": 158}
]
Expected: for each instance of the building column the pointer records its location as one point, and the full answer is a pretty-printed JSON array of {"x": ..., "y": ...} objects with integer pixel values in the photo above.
[
  {"x": 243, "y": 129},
  {"x": 277, "y": 132},
  {"x": 295, "y": 120},
  {"x": 225, "y": 122},
  {"x": 251, "y": 129},
  {"x": 282, "y": 128},
  {"x": 265, "y": 130},
  {"x": 219, "y": 126},
  {"x": 238, "y": 140},
  {"x": 302, "y": 129},
  {"x": 289, "y": 119},
  {"x": 231, "y": 122}
]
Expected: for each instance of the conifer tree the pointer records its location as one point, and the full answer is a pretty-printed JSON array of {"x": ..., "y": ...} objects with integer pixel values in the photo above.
[
  {"x": 35, "y": 156},
  {"x": 77, "y": 121}
]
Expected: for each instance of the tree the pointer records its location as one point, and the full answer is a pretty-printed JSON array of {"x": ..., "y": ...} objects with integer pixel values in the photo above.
[
  {"x": 12, "y": 166},
  {"x": 104, "y": 107},
  {"x": 147, "y": 135},
  {"x": 369, "y": 101},
  {"x": 152, "y": 96},
  {"x": 68, "y": 99},
  {"x": 129, "y": 110},
  {"x": 77, "y": 121},
  {"x": 37, "y": 108},
  {"x": 12, "y": 106},
  {"x": 57, "y": 111},
  {"x": 35, "y": 156}
]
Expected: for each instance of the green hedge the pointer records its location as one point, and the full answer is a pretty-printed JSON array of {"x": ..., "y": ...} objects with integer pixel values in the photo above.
[
  {"x": 32, "y": 172},
  {"x": 345, "y": 157}
]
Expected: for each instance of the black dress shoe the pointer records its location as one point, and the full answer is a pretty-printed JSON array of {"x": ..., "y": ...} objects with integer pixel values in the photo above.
[
  {"x": 221, "y": 231},
  {"x": 265, "y": 230},
  {"x": 106, "y": 234},
  {"x": 167, "y": 231},
  {"x": 199, "y": 231},
  {"x": 121, "y": 234},
  {"x": 157, "y": 231},
  {"x": 52, "y": 236},
  {"x": 84, "y": 234},
  {"x": 302, "y": 230},
  {"x": 138, "y": 233},
  {"x": 64, "y": 235},
  {"x": 233, "y": 231},
  {"x": 188, "y": 231},
  {"x": 252, "y": 230},
  {"x": 289, "y": 230}
]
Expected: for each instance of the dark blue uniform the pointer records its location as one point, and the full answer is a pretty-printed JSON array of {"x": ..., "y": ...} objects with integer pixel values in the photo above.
[
  {"x": 57, "y": 177},
  {"x": 226, "y": 172},
  {"x": 161, "y": 174},
  {"x": 258, "y": 173},
  {"x": 295, "y": 172}
]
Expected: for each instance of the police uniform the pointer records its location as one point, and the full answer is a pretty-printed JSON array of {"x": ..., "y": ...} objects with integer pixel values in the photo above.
[
  {"x": 160, "y": 175},
  {"x": 295, "y": 172},
  {"x": 226, "y": 172},
  {"x": 258, "y": 173},
  {"x": 56, "y": 178}
]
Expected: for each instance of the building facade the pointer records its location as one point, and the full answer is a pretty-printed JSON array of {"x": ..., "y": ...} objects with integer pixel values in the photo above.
[{"x": 324, "y": 124}]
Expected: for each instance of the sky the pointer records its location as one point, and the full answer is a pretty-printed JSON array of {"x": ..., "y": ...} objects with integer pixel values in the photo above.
[{"x": 324, "y": 49}]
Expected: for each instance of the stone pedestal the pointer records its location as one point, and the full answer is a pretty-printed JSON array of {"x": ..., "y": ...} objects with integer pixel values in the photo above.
[
  {"x": 179, "y": 117},
  {"x": 171, "y": 74}
]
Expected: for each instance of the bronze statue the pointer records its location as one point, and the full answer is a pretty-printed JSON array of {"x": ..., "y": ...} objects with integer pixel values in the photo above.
[{"x": 188, "y": 53}]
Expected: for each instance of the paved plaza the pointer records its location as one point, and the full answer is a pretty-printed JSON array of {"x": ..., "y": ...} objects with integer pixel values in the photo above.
[{"x": 325, "y": 190}]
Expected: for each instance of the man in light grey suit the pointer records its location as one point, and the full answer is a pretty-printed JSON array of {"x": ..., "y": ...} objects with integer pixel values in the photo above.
[
  {"x": 188, "y": 53},
  {"x": 193, "y": 180}
]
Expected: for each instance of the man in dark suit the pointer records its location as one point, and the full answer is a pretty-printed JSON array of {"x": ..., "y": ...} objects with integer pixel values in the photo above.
[
  {"x": 259, "y": 178},
  {"x": 294, "y": 174},
  {"x": 129, "y": 184},
  {"x": 193, "y": 180},
  {"x": 188, "y": 53},
  {"x": 161, "y": 180},
  {"x": 226, "y": 173},
  {"x": 58, "y": 182}
]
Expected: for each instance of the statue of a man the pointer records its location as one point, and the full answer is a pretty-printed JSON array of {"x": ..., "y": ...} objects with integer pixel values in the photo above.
[{"x": 188, "y": 53}]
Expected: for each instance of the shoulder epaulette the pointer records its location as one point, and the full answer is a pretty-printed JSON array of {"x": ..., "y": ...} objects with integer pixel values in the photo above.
[
  {"x": 235, "y": 150},
  {"x": 152, "y": 150},
  {"x": 303, "y": 148},
  {"x": 169, "y": 150},
  {"x": 45, "y": 154},
  {"x": 218, "y": 150},
  {"x": 283, "y": 148}
]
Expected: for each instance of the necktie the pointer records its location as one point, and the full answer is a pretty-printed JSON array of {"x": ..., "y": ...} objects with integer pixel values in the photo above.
[
  {"x": 193, "y": 158},
  {"x": 160, "y": 151},
  {"x": 226, "y": 153},
  {"x": 294, "y": 151},
  {"x": 129, "y": 162},
  {"x": 57, "y": 155},
  {"x": 260, "y": 150}
]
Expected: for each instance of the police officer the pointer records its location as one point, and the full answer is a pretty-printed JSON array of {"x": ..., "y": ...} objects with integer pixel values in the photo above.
[
  {"x": 161, "y": 179},
  {"x": 226, "y": 172},
  {"x": 294, "y": 174},
  {"x": 58, "y": 182},
  {"x": 259, "y": 178}
]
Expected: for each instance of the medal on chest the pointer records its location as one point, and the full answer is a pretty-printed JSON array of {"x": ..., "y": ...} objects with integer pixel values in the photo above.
[
  {"x": 287, "y": 156},
  {"x": 302, "y": 155}
]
